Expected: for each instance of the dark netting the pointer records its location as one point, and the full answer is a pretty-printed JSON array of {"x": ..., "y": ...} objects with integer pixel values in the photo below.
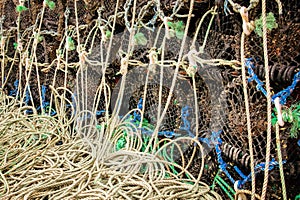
[
  {"x": 284, "y": 52},
  {"x": 171, "y": 121},
  {"x": 220, "y": 101}
]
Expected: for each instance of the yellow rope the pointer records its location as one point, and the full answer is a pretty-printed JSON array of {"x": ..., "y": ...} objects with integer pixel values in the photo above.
[
  {"x": 250, "y": 141},
  {"x": 159, "y": 121},
  {"x": 269, "y": 103},
  {"x": 280, "y": 162},
  {"x": 243, "y": 192},
  {"x": 42, "y": 156},
  {"x": 32, "y": 165}
]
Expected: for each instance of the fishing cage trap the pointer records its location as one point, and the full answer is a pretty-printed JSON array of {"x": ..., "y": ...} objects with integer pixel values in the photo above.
[{"x": 160, "y": 99}]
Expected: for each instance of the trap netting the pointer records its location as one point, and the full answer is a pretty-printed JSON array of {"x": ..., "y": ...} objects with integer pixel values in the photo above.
[
  {"x": 282, "y": 20},
  {"x": 149, "y": 100}
]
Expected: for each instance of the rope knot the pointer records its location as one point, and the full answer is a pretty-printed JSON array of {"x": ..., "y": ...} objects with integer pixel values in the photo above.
[
  {"x": 248, "y": 27},
  {"x": 279, "y": 113},
  {"x": 152, "y": 59},
  {"x": 192, "y": 68},
  {"x": 82, "y": 53},
  {"x": 152, "y": 56},
  {"x": 103, "y": 35},
  {"x": 124, "y": 66},
  {"x": 166, "y": 20}
]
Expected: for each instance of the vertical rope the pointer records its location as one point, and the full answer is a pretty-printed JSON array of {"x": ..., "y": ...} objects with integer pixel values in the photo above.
[
  {"x": 125, "y": 61},
  {"x": 280, "y": 162},
  {"x": 248, "y": 117},
  {"x": 269, "y": 103},
  {"x": 279, "y": 7},
  {"x": 159, "y": 121}
]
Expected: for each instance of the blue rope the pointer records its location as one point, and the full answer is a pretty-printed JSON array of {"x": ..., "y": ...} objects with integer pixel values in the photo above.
[
  {"x": 136, "y": 118},
  {"x": 186, "y": 124},
  {"x": 167, "y": 134},
  {"x": 217, "y": 141},
  {"x": 258, "y": 168},
  {"x": 140, "y": 104},
  {"x": 136, "y": 114},
  {"x": 226, "y": 9},
  {"x": 213, "y": 140},
  {"x": 44, "y": 89},
  {"x": 100, "y": 112},
  {"x": 284, "y": 94},
  {"x": 14, "y": 92},
  {"x": 222, "y": 164},
  {"x": 298, "y": 143},
  {"x": 249, "y": 64},
  {"x": 240, "y": 172}
]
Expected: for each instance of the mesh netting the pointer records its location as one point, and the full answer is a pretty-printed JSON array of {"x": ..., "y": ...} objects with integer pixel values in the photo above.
[
  {"x": 146, "y": 100},
  {"x": 284, "y": 64}
]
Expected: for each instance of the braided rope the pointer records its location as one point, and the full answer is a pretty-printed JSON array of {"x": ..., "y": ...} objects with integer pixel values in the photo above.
[
  {"x": 280, "y": 161},
  {"x": 35, "y": 144},
  {"x": 269, "y": 98},
  {"x": 39, "y": 164},
  {"x": 248, "y": 117},
  {"x": 44, "y": 157}
]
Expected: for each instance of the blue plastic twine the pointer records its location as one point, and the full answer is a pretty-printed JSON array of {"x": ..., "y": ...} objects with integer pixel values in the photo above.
[
  {"x": 186, "y": 124},
  {"x": 249, "y": 64},
  {"x": 258, "y": 168},
  {"x": 222, "y": 164},
  {"x": 14, "y": 92},
  {"x": 226, "y": 9},
  {"x": 284, "y": 94}
]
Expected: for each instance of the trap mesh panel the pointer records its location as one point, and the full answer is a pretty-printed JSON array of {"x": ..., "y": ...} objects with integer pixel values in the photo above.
[
  {"x": 224, "y": 42},
  {"x": 219, "y": 89},
  {"x": 171, "y": 121}
]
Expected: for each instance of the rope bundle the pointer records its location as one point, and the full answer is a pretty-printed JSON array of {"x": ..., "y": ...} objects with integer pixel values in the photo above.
[{"x": 39, "y": 160}]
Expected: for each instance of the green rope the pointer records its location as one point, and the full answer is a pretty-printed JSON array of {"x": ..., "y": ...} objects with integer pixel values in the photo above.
[
  {"x": 220, "y": 182},
  {"x": 223, "y": 185},
  {"x": 121, "y": 142}
]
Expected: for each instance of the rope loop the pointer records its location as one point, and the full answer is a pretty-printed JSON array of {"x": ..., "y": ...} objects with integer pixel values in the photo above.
[
  {"x": 167, "y": 28},
  {"x": 192, "y": 68},
  {"x": 248, "y": 27},
  {"x": 124, "y": 66},
  {"x": 103, "y": 35},
  {"x": 67, "y": 13}
]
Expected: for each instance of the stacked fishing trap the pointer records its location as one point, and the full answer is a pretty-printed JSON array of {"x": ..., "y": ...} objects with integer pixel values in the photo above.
[{"x": 160, "y": 99}]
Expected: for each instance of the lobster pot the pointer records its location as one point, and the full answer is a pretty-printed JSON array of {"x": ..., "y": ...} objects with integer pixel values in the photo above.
[{"x": 224, "y": 42}]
